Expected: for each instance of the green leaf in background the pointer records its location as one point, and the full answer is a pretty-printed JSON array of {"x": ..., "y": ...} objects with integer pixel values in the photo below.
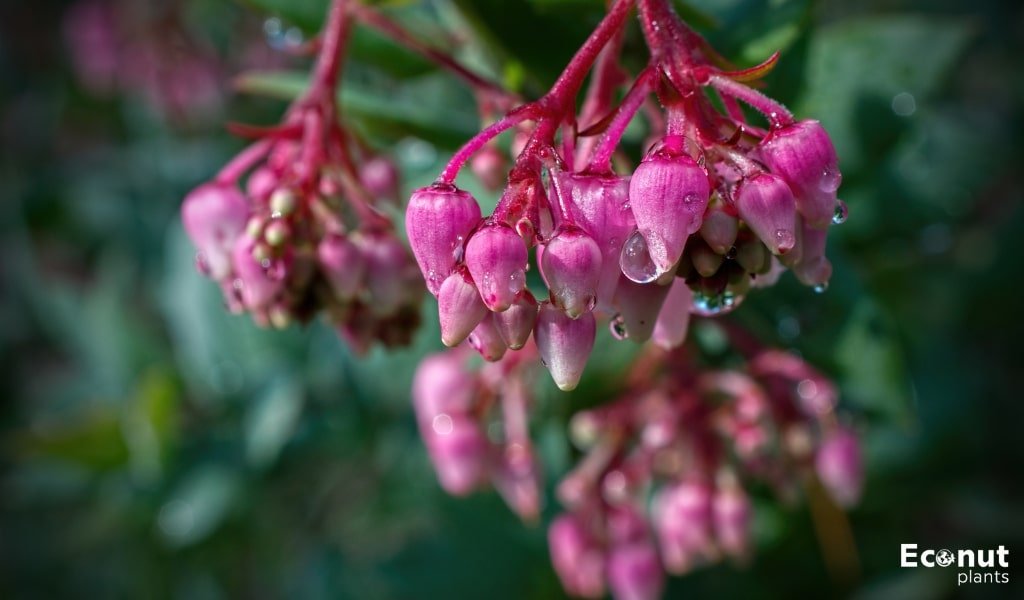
[
  {"x": 872, "y": 367},
  {"x": 198, "y": 505},
  {"x": 271, "y": 420},
  {"x": 433, "y": 107},
  {"x": 857, "y": 68}
]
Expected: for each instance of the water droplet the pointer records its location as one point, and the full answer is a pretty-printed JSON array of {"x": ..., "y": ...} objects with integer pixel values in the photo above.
[
  {"x": 635, "y": 261},
  {"x": 459, "y": 249},
  {"x": 841, "y": 212},
  {"x": 706, "y": 305},
  {"x": 442, "y": 424},
  {"x": 784, "y": 240},
  {"x": 731, "y": 253},
  {"x": 618, "y": 327},
  {"x": 517, "y": 281},
  {"x": 692, "y": 202},
  {"x": 830, "y": 180},
  {"x": 821, "y": 288}
]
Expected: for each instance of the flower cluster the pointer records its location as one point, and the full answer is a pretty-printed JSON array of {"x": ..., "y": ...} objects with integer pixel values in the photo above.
[
  {"x": 716, "y": 206},
  {"x": 660, "y": 483},
  {"x": 307, "y": 234},
  {"x": 475, "y": 425}
]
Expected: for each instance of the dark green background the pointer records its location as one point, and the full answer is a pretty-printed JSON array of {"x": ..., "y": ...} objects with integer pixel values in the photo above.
[{"x": 152, "y": 445}]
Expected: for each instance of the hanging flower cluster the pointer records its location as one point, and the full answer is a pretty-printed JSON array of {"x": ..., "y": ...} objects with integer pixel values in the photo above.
[
  {"x": 717, "y": 203},
  {"x": 660, "y": 484},
  {"x": 307, "y": 234}
]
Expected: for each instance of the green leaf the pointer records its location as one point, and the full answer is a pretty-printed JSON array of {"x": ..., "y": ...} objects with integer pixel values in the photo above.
[
  {"x": 855, "y": 68},
  {"x": 271, "y": 420},
  {"x": 198, "y": 505},
  {"x": 873, "y": 372}
]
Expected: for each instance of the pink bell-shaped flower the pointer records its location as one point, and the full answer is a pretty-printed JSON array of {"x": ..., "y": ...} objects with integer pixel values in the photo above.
[
  {"x": 458, "y": 450},
  {"x": 487, "y": 340},
  {"x": 342, "y": 264},
  {"x": 668, "y": 194},
  {"x": 438, "y": 221},
  {"x": 215, "y": 216},
  {"x": 840, "y": 466},
  {"x": 571, "y": 263},
  {"x": 600, "y": 206},
  {"x": 731, "y": 514},
  {"x": 577, "y": 557},
  {"x": 459, "y": 307},
  {"x": 441, "y": 385},
  {"x": 639, "y": 306},
  {"x": 674, "y": 317},
  {"x": 496, "y": 257},
  {"x": 682, "y": 521},
  {"x": 765, "y": 202},
  {"x": 516, "y": 324},
  {"x": 256, "y": 281},
  {"x": 389, "y": 272},
  {"x": 803, "y": 155},
  {"x": 564, "y": 344},
  {"x": 634, "y": 571}
]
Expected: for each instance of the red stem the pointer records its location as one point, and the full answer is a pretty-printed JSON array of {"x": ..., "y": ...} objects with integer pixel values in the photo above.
[
  {"x": 601, "y": 160},
  {"x": 328, "y": 64},
  {"x": 777, "y": 114}
]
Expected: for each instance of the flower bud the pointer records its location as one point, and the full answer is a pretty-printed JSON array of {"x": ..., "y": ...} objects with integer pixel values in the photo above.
[
  {"x": 516, "y": 324},
  {"x": 638, "y": 306},
  {"x": 380, "y": 177},
  {"x": 459, "y": 307},
  {"x": 517, "y": 479},
  {"x": 577, "y": 557},
  {"x": 719, "y": 229},
  {"x": 766, "y": 204},
  {"x": 261, "y": 184},
  {"x": 342, "y": 264},
  {"x": 215, "y": 216},
  {"x": 496, "y": 257},
  {"x": 438, "y": 221},
  {"x": 803, "y": 155},
  {"x": 571, "y": 263},
  {"x": 564, "y": 344},
  {"x": 458, "y": 450},
  {"x": 489, "y": 166},
  {"x": 668, "y": 195},
  {"x": 840, "y": 466},
  {"x": 486, "y": 340},
  {"x": 634, "y": 572},
  {"x": 682, "y": 521},
  {"x": 600, "y": 206},
  {"x": 732, "y": 514},
  {"x": 813, "y": 268},
  {"x": 705, "y": 260},
  {"x": 259, "y": 286},
  {"x": 441, "y": 385},
  {"x": 674, "y": 317},
  {"x": 387, "y": 269}
]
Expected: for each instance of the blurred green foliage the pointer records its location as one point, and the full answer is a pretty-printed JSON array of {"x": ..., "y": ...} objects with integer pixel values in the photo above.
[{"x": 154, "y": 445}]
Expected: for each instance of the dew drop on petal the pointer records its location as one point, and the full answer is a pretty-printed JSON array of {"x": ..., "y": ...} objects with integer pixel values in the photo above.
[
  {"x": 618, "y": 327},
  {"x": 442, "y": 424},
  {"x": 517, "y": 281},
  {"x": 840, "y": 214},
  {"x": 784, "y": 239},
  {"x": 635, "y": 261},
  {"x": 821, "y": 288},
  {"x": 830, "y": 180},
  {"x": 707, "y": 305}
]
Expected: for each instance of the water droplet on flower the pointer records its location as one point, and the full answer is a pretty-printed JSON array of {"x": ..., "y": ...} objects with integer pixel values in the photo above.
[
  {"x": 830, "y": 180},
  {"x": 459, "y": 249},
  {"x": 821, "y": 288},
  {"x": 711, "y": 305},
  {"x": 692, "y": 202},
  {"x": 841, "y": 212},
  {"x": 731, "y": 253},
  {"x": 635, "y": 261},
  {"x": 618, "y": 327},
  {"x": 517, "y": 281},
  {"x": 784, "y": 240},
  {"x": 442, "y": 424}
]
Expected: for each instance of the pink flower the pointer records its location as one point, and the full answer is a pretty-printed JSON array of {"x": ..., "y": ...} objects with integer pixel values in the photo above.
[
  {"x": 571, "y": 264},
  {"x": 840, "y": 466},
  {"x": 564, "y": 344},
  {"x": 496, "y": 258},
  {"x": 766, "y": 205},
  {"x": 803, "y": 155},
  {"x": 215, "y": 216},
  {"x": 577, "y": 557},
  {"x": 438, "y": 222}
]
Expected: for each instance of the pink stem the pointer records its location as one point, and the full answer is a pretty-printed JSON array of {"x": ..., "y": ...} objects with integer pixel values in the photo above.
[
  {"x": 328, "y": 64},
  {"x": 776, "y": 113},
  {"x": 451, "y": 170},
  {"x": 242, "y": 162},
  {"x": 601, "y": 160}
]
